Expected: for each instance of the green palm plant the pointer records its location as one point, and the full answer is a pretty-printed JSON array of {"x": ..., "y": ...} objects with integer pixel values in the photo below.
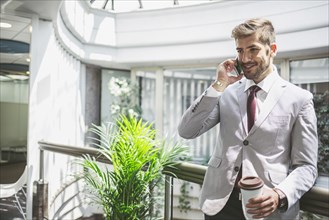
[{"x": 138, "y": 159}]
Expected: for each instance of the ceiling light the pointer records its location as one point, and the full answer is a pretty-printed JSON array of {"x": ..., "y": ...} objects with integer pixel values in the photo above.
[
  {"x": 28, "y": 60},
  {"x": 5, "y": 25}
]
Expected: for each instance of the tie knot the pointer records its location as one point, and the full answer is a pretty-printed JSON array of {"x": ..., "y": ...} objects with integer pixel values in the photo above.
[{"x": 254, "y": 89}]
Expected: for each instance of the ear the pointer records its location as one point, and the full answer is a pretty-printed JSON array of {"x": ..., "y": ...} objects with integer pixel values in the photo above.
[{"x": 274, "y": 49}]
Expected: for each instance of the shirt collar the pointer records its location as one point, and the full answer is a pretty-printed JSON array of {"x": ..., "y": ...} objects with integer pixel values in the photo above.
[{"x": 266, "y": 83}]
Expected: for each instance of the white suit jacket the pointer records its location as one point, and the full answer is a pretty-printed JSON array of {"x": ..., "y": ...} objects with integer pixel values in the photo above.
[{"x": 281, "y": 148}]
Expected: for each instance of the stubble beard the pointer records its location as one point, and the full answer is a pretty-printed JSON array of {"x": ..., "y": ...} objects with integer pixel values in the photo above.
[{"x": 261, "y": 71}]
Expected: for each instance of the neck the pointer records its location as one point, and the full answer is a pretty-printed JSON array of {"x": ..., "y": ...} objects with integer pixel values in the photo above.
[{"x": 262, "y": 76}]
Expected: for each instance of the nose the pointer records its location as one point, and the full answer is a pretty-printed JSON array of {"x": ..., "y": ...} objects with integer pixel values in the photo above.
[{"x": 245, "y": 57}]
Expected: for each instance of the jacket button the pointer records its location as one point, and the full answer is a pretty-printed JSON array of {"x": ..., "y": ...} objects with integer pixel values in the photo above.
[
  {"x": 245, "y": 142},
  {"x": 236, "y": 169}
]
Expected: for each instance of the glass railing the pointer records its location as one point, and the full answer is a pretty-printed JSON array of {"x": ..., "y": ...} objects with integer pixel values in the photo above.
[{"x": 315, "y": 201}]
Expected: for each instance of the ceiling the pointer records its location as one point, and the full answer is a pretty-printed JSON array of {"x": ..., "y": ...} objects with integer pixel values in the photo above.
[
  {"x": 15, "y": 40},
  {"x": 14, "y": 45}
]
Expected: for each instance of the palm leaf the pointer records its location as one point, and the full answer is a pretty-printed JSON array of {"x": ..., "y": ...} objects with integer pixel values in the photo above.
[{"x": 138, "y": 159}]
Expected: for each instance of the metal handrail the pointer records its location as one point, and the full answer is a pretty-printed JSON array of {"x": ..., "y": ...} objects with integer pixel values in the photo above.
[
  {"x": 73, "y": 150},
  {"x": 315, "y": 200},
  {"x": 67, "y": 150}
]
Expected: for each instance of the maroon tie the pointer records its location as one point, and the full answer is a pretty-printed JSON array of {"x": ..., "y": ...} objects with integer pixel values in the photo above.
[
  {"x": 251, "y": 112},
  {"x": 251, "y": 106}
]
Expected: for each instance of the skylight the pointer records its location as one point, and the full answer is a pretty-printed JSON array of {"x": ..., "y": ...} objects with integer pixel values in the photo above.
[{"x": 135, "y": 5}]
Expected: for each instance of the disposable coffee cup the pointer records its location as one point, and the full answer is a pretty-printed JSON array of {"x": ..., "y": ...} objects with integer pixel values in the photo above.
[{"x": 251, "y": 187}]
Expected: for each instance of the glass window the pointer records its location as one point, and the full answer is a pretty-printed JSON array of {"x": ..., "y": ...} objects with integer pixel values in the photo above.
[
  {"x": 147, "y": 82},
  {"x": 182, "y": 87},
  {"x": 312, "y": 74},
  {"x": 109, "y": 97},
  {"x": 13, "y": 118}
]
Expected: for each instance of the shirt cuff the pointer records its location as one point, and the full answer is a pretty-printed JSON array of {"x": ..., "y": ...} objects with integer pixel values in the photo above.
[{"x": 211, "y": 92}]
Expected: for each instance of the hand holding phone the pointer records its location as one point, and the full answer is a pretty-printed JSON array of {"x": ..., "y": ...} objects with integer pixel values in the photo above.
[
  {"x": 228, "y": 72},
  {"x": 237, "y": 67}
]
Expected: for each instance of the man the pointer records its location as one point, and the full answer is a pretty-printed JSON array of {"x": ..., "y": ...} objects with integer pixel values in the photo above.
[{"x": 279, "y": 146}]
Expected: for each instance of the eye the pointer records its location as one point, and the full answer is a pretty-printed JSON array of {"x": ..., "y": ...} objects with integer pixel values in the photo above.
[{"x": 254, "y": 50}]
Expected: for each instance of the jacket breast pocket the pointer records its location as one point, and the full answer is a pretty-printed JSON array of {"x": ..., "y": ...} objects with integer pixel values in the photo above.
[
  {"x": 279, "y": 121},
  {"x": 215, "y": 161},
  {"x": 277, "y": 130}
]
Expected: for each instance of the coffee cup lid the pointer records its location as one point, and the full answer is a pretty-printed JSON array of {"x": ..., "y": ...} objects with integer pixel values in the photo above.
[{"x": 250, "y": 182}]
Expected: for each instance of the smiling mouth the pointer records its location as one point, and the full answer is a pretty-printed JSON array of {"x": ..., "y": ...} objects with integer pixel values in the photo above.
[{"x": 248, "y": 66}]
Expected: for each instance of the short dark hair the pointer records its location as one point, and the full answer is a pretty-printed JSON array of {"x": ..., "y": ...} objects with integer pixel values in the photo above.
[{"x": 261, "y": 26}]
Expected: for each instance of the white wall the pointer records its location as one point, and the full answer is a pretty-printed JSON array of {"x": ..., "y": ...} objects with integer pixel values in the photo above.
[{"x": 55, "y": 115}]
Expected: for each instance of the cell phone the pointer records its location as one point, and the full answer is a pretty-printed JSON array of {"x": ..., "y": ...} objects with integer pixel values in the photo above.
[{"x": 237, "y": 67}]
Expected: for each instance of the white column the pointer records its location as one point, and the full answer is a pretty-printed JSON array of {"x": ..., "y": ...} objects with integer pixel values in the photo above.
[
  {"x": 159, "y": 101},
  {"x": 39, "y": 89}
]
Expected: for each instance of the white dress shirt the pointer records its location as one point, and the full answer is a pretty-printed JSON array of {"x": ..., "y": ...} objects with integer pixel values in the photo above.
[{"x": 261, "y": 95}]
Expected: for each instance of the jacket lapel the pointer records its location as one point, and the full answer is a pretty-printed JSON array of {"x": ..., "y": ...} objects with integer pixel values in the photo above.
[
  {"x": 271, "y": 99},
  {"x": 242, "y": 97}
]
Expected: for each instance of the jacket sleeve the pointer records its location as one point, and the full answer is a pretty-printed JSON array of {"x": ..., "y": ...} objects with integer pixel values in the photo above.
[
  {"x": 304, "y": 154},
  {"x": 201, "y": 116}
]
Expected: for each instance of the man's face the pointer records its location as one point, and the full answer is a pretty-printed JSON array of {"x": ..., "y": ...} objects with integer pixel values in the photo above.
[{"x": 256, "y": 58}]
